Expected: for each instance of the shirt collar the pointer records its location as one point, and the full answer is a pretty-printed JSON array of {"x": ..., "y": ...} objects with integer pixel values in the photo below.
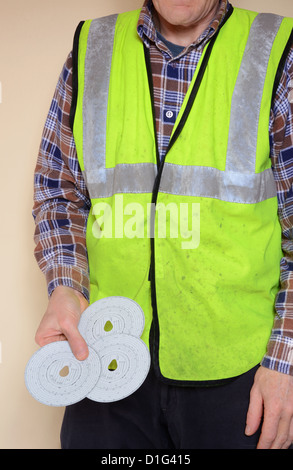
[{"x": 147, "y": 31}]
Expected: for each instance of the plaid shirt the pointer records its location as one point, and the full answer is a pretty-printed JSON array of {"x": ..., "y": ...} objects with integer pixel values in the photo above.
[{"x": 62, "y": 203}]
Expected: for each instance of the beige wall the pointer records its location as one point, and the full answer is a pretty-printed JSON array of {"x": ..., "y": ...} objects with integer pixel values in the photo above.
[{"x": 35, "y": 37}]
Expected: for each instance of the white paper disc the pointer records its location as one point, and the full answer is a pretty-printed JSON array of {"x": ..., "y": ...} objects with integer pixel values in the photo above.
[
  {"x": 133, "y": 363},
  {"x": 111, "y": 315},
  {"x": 54, "y": 377}
]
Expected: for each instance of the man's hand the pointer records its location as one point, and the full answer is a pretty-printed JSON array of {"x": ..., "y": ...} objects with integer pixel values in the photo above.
[
  {"x": 61, "y": 319},
  {"x": 271, "y": 398}
]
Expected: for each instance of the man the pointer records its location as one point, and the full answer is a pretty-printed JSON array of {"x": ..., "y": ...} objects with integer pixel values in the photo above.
[{"x": 188, "y": 88}]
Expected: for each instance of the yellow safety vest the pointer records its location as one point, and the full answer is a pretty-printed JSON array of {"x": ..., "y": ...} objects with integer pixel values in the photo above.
[{"x": 194, "y": 239}]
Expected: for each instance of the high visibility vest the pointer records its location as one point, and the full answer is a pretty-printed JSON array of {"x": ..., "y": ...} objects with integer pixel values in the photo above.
[{"x": 194, "y": 238}]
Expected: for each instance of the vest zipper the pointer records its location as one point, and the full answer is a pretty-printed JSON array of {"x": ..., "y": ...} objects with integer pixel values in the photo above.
[{"x": 154, "y": 331}]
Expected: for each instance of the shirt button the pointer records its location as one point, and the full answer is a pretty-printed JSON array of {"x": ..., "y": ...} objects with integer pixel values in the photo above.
[{"x": 169, "y": 114}]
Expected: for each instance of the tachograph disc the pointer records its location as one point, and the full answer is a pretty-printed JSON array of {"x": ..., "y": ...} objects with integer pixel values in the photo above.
[
  {"x": 111, "y": 315},
  {"x": 46, "y": 384},
  {"x": 132, "y": 358}
]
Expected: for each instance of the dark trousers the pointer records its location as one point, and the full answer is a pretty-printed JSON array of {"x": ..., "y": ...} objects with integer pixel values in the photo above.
[{"x": 159, "y": 416}]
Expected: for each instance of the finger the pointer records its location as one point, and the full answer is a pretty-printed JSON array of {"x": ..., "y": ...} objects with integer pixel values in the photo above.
[
  {"x": 289, "y": 441},
  {"x": 71, "y": 334},
  {"x": 50, "y": 339},
  {"x": 254, "y": 413},
  {"x": 45, "y": 336},
  {"x": 282, "y": 436},
  {"x": 269, "y": 430}
]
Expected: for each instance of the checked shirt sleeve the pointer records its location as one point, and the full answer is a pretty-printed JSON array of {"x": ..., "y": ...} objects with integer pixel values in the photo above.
[
  {"x": 280, "y": 347},
  {"x": 61, "y": 201}
]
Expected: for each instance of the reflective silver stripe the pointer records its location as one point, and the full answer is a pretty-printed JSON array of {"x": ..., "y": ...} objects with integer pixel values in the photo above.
[
  {"x": 230, "y": 186},
  {"x": 238, "y": 183},
  {"x": 95, "y": 98},
  {"x": 104, "y": 182},
  {"x": 182, "y": 180},
  {"x": 247, "y": 96},
  {"x": 138, "y": 178}
]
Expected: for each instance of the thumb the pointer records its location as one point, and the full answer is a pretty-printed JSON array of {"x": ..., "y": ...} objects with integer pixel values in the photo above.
[
  {"x": 72, "y": 303},
  {"x": 61, "y": 321},
  {"x": 77, "y": 343},
  {"x": 76, "y": 304}
]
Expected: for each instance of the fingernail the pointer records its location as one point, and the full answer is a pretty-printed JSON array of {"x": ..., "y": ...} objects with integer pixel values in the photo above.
[
  {"x": 247, "y": 430},
  {"x": 81, "y": 355}
]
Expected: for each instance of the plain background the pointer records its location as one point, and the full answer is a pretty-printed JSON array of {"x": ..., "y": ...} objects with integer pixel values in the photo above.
[{"x": 35, "y": 38}]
